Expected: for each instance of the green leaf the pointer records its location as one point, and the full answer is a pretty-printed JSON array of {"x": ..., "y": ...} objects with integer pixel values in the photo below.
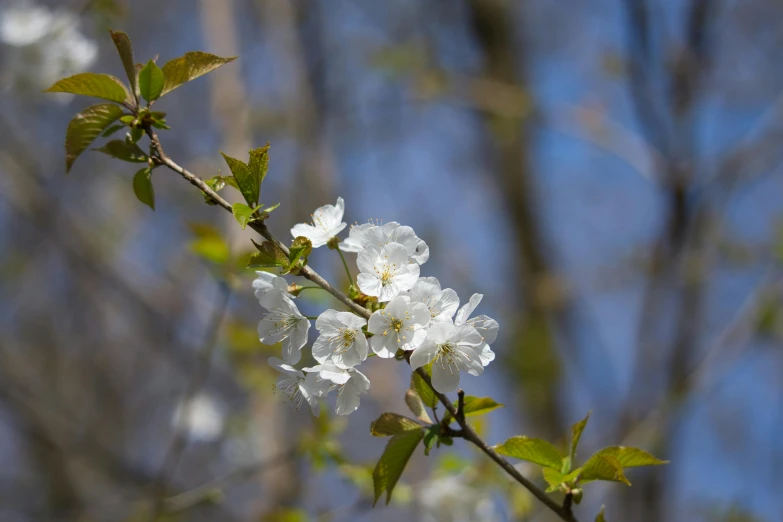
[
  {"x": 124, "y": 151},
  {"x": 422, "y": 389},
  {"x": 259, "y": 162},
  {"x": 416, "y": 406},
  {"x": 142, "y": 187},
  {"x": 125, "y": 50},
  {"x": 554, "y": 478},
  {"x": 92, "y": 84},
  {"x": 537, "y": 451},
  {"x": 392, "y": 424},
  {"x": 265, "y": 212},
  {"x": 392, "y": 463},
  {"x": 603, "y": 467},
  {"x": 475, "y": 406},
  {"x": 136, "y": 134},
  {"x": 576, "y": 434},
  {"x": 114, "y": 128},
  {"x": 189, "y": 67},
  {"x": 151, "y": 81},
  {"x": 300, "y": 250},
  {"x": 244, "y": 178},
  {"x": 600, "y": 516},
  {"x": 268, "y": 255},
  {"x": 85, "y": 127},
  {"x": 431, "y": 437},
  {"x": 631, "y": 457},
  {"x": 243, "y": 213}
]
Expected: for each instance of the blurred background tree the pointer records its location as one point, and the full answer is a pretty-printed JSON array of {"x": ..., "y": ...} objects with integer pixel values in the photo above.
[{"x": 607, "y": 173}]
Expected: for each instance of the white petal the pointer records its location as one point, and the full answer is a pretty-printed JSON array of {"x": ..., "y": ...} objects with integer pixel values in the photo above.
[
  {"x": 445, "y": 378},
  {"x": 269, "y": 331},
  {"x": 384, "y": 346},
  {"x": 420, "y": 315},
  {"x": 334, "y": 374},
  {"x": 367, "y": 259},
  {"x": 387, "y": 292},
  {"x": 485, "y": 353},
  {"x": 470, "y": 361},
  {"x": 322, "y": 349},
  {"x": 466, "y": 334},
  {"x": 358, "y": 238},
  {"x": 397, "y": 254},
  {"x": 422, "y": 252},
  {"x": 329, "y": 322},
  {"x": 369, "y": 284},
  {"x": 424, "y": 354},
  {"x": 418, "y": 337},
  {"x": 486, "y": 326},
  {"x": 406, "y": 276},
  {"x": 291, "y": 353},
  {"x": 303, "y": 229},
  {"x": 361, "y": 345},
  {"x": 282, "y": 367},
  {"x": 440, "y": 333},
  {"x": 397, "y": 307},
  {"x": 352, "y": 321},
  {"x": 448, "y": 303},
  {"x": 377, "y": 322},
  {"x": 467, "y": 309}
]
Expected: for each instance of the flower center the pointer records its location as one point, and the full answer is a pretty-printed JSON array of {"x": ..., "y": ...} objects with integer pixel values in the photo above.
[
  {"x": 290, "y": 387},
  {"x": 386, "y": 275},
  {"x": 396, "y": 325},
  {"x": 448, "y": 356}
]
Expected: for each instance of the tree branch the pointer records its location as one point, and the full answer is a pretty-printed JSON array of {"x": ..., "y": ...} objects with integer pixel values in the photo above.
[{"x": 564, "y": 512}]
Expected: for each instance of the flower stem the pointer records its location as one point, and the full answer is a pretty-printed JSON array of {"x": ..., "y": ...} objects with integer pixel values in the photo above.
[
  {"x": 302, "y": 289},
  {"x": 345, "y": 264}
]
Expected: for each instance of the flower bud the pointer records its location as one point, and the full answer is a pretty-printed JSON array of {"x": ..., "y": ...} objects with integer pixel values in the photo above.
[
  {"x": 577, "y": 495},
  {"x": 333, "y": 242}
]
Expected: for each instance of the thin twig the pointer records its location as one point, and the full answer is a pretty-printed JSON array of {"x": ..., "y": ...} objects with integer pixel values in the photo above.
[{"x": 467, "y": 431}]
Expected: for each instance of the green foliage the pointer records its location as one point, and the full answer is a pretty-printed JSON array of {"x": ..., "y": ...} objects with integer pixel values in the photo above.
[
  {"x": 243, "y": 213},
  {"x": 576, "y": 434},
  {"x": 124, "y": 150},
  {"x": 259, "y": 162},
  {"x": 533, "y": 450},
  {"x": 603, "y": 467},
  {"x": 475, "y": 406},
  {"x": 268, "y": 255},
  {"x": 92, "y": 84},
  {"x": 248, "y": 184},
  {"x": 151, "y": 81},
  {"x": 631, "y": 457},
  {"x": 423, "y": 390},
  {"x": 189, "y": 67},
  {"x": 600, "y": 516},
  {"x": 416, "y": 406},
  {"x": 392, "y": 463},
  {"x": 392, "y": 424},
  {"x": 85, "y": 127},
  {"x": 298, "y": 254},
  {"x": 125, "y": 50},
  {"x": 142, "y": 187}
]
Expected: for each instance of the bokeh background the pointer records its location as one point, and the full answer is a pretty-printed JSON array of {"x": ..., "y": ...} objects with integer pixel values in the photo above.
[{"x": 606, "y": 172}]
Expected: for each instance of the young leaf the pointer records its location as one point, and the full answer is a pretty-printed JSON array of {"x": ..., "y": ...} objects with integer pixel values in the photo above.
[
  {"x": 553, "y": 477},
  {"x": 125, "y": 50},
  {"x": 268, "y": 255},
  {"x": 416, "y": 406},
  {"x": 430, "y": 438},
  {"x": 423, "y": 390},
  {"x": 300, "y": 250},
  {"x": 85, "y": 127},
  {"x": 259, "y": 162},
  {"x": 246, "y": 181},
  {"x": 476, "y": 406},
  {"x": 124, "y": 151},
  {"x": 92, "y": 84},
  {"x": 392, "y": 424},
  {"x": 600, "y": 516},
  {"x": 603, "y": 467},
  {"x": 142, "y": 187},
  {"x": 537, "y": 451},
  {"x": 631, "y": 457},
  {"x": 189, "y": 67},
  {"x": 243, "y": 213},
  {"x": 576, "y": 434},
  {"x": 392, "y": 463},
  {"x": 151, "y": 81}
]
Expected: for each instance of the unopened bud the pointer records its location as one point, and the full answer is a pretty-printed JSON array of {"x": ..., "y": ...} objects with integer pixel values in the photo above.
[
  {"x": 294, "y": 289},
  {"x": 577, "y": 495}
]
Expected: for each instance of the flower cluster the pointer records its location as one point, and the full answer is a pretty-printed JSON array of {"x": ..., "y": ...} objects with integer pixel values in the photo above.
[{"x": 411, "y": 314}]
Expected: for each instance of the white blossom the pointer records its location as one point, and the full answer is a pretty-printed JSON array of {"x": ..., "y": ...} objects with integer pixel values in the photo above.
[
  {"x": 266, "y": 282},
  {"x": 486, "y": 326},
  {"x": 386, "y": 271},
  {"x": 200, "y": 417},
  {"x": 283, "y": 323},
  {"x": 327, "y": 223},
  {"x": 451, "y": 349},
  {"x": 25, "y": 24},
  {"x": 442, "y": 304},
  {"x": 369, "y": 234},
  {"x": 350, "y": 384},
  {"x": 298, "y": 386},
  {"x": 341, "y": 339},
  {"x": 401, "y": 325}
]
